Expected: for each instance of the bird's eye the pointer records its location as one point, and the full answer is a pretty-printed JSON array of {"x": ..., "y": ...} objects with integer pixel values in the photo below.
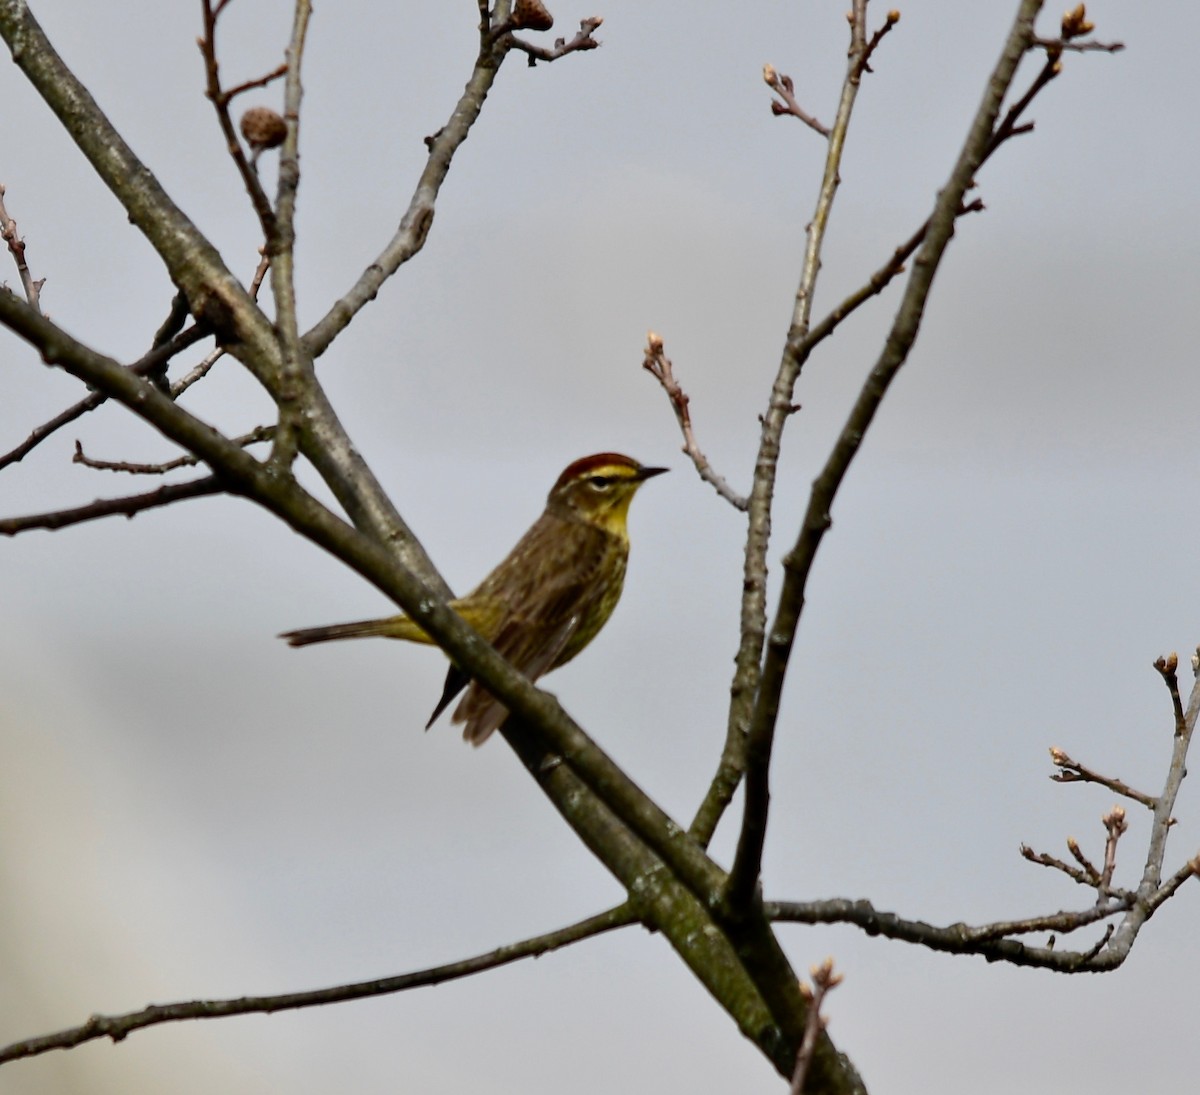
[{"x": 600, "y": 482}]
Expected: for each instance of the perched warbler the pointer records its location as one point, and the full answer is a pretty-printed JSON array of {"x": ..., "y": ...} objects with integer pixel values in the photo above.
[{"x": 547, "y": 600}]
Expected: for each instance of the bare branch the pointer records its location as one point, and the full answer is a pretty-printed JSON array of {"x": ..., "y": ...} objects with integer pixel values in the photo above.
[
  {"x": 1167, "y": 670},
  {"x": 753, "y": 623},
  {"x": 494, "y": 44},
  {"x": 144, "y": 366},
  {"x": 258, "y": 434},
  {"x": 1089, "y": 870},
  {"x": 1088, "y": 876},
  {"x": 994, "y": 941},
  {"x": 583, "y": 40},
  {"x": 195, "y": 267},
  {"x": 889, "y": 22},
  {"x": 1169, "y": 888},
  {"x": 656, "y": 362},
  {"x": 16, "y": 248},
  {"x": 805, "y": 343},
  {"x": 249, "y": 85},
  {"x": 745, "y": 750},
  {"x": 118, "y": 1027},
  {"x": 1058, "y": 44},
  {"x": 1116, "y": 825},
  {"x": 110, "y": 507},
  {"x": 823, "y": 981},
  {"x": 786, "y": 103},
  {"x": 220, "y": 99},
  {"x": 202, "y": 368},
  {"x": 1071, "y": 771},
  {"x": 817, "y": 520},
  {"x": 297, "y": 380}
]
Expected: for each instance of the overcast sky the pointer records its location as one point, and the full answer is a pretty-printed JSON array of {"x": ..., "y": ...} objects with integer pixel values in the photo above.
[{"x": 188, "y": 808}]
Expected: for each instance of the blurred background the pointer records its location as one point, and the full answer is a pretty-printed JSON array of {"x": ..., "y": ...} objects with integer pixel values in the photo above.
[{"x": 190, "y": 809}]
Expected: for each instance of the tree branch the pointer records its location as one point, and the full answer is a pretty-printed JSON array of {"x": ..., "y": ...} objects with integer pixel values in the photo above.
[
  {"x": 144, "y": 366},
  {"x": 1071, "y": 771},
  {"x": 779, "y": 408},
  {"x": 118, "y": 1027},
  {"x": 16, "y": 247},
  {"x": 194, "y": 265},
  {"x": 297, "y": 381},
  {"x": 993, "y": 941},
  {"x": 656, "y": 362},
  {"x": 582, "y": 40},
  {"x": 740, "y": 740},
  {"x": 109, "y": 507},
  {"x": 817, "y": 520},
  {"x": 220, "y": 99}
]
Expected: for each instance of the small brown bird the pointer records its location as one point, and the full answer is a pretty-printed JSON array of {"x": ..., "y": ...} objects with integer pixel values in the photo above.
[{"x": 547, "y": 600}]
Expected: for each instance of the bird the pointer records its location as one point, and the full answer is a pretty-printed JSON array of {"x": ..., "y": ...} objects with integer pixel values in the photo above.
[{"x": 546, "y": 600}]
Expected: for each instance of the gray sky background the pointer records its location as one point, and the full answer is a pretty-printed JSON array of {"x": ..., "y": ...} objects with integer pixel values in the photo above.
[{"x": 188, "y": 808}]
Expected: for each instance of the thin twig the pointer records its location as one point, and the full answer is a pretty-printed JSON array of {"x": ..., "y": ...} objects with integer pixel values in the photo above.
[
  {"x": 656, "y": 362},
  {"x": 799, "y": 561},
  {"x": 583, "y": 40},
  {"x": 202, "y": 368},
  {"x": 219, "y": 98},
  {"x": 110, "y": 507},
  {"x": 249, "y": 85},
  {"x": 1116, "y": 825},
  {"x": 889, "y": 22},
  {"x": 144, "y": 366},
  {"x": 1167, "y": 670},
  {"x": 805, "y": 342},
  {"x": 1078, "y": 47},
  {"x": 753, "y": 619},
  {"x": 786, "y": 90},
  {"x": 1084, "y": 876},
  {"x": 255, "y": 436},
  {"x": 1167, "y": 889},
  {"x": 417, "y": 220},
  {"x": 824, "y": 980},
  {"x": 16, "y": 246},
  {"x": 1089, "y": 869},
  {"x": 1071, "y": 771},
  {"x": 150, "y": 364},
  {"x": 118, "y": 1027},
  {"x": 748, "y": 751},
  {"x": 994, "y": 941}
]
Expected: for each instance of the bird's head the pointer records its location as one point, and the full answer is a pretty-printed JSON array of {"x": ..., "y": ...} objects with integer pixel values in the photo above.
[{"x": 598, "y": 489}]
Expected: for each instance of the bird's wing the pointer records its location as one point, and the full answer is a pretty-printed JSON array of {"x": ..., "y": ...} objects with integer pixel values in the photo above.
[
  {"x": 533, "y": 653},
  {"x": 531, "y": 644},
  {"x": 540, "y": 617}
]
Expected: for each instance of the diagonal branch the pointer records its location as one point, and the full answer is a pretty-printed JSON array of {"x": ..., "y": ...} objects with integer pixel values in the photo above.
[
  {"x": 128, "y": 506},
  {"x": 1071, "y": 771},
  {"x": 193, "y": 263},
  {"x": 144, "y": 366},
  {"x": 656, "y": 362},
  {"x": 118, "y": 1027},
  {"x": 418, "y": 217}
]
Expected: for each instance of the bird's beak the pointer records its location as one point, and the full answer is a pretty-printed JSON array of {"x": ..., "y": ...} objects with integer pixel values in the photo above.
[{"x": 649, "y": 473}]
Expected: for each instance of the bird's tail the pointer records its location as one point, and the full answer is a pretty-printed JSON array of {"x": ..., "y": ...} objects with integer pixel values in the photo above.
[{"x": 392, "y": 627}]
